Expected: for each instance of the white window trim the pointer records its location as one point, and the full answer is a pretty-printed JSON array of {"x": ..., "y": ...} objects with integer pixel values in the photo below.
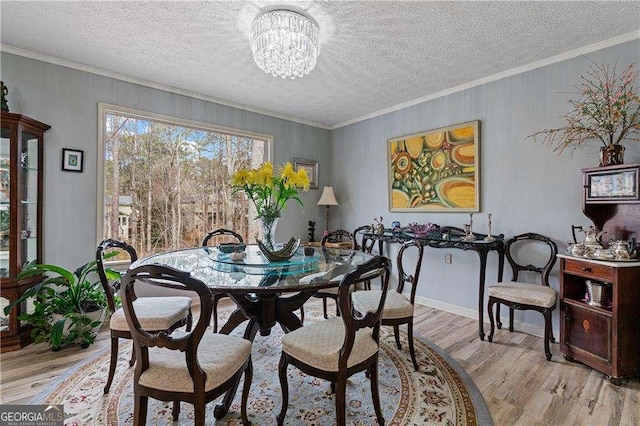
[{"x": 105, "y": 108}]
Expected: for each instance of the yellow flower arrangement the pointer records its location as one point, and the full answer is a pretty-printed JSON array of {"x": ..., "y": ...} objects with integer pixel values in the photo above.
[{"x": 269, "y": 191}]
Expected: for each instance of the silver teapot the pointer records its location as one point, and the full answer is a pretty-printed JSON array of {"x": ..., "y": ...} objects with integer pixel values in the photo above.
[
  {"x": 592, "y": 237},
  {"x": 623, "y": 249}
]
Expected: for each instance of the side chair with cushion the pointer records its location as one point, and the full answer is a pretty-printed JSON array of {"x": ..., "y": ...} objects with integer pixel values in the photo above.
[
  {"x": 218, "y": 233},
  {"x": 156, "y": 313},
  {"x": 526, "y": 296},
  {"x": 335, "y": 239},
  {"x": 398, "y": 309},
  {"x": 337, "y": 348},
  {"x": 360, "y": 243},
  {"x": 195, "y": 367}
]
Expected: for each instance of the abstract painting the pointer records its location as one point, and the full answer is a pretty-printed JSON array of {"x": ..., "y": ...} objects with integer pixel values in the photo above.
[{"x": 436, "y": 170}]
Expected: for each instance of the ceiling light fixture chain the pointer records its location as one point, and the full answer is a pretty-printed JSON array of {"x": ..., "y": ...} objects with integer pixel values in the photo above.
[{"x": 285, "y": 43}]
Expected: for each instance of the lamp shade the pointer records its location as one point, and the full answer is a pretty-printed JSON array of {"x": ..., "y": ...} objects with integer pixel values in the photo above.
[{"x": 327, "y": 198}]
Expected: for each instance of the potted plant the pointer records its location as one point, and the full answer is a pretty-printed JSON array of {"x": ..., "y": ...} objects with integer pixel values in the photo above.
[
  {"x": 607, "y": 109},
  {"x": 68, "y": 307}
]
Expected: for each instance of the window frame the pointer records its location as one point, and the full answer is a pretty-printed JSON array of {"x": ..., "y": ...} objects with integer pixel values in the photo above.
[{"x": 105, "y": 108}]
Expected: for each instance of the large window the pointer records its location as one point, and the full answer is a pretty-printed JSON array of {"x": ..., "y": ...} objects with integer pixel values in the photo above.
[{"x": 166, "y": 182}]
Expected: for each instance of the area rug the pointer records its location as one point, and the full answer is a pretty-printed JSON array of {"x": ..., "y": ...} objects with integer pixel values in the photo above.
[{"x": 440, "y": 393}]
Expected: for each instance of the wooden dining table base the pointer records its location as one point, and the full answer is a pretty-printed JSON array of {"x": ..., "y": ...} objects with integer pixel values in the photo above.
[{"x": 264, "y": 311}]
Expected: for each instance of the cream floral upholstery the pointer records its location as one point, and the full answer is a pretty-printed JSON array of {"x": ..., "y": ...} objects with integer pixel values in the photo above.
[
  {"x": 319, "y": 344},
  {"x": 396, "y": 306},
  {"x": 524, "y": 293},
  {"x": 154, "y": 313},
  {"x": 219, "y": 355}
]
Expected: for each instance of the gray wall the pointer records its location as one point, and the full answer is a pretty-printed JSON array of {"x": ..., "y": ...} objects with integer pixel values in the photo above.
[
  {"x": 67, "y": 100},
  {"x": 526, "y": 186}
]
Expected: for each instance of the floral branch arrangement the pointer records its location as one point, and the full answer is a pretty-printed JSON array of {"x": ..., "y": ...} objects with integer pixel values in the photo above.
[
  {"x": 269, "y": 191},
  {"x": 608, "y": 110}
]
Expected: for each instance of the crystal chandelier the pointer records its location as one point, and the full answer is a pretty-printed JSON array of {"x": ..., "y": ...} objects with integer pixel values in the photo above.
[{"x": 285, "y": 43}]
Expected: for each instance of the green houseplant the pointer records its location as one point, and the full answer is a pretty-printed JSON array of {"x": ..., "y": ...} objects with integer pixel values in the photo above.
[
  {"x": 607, "y": 109},
  {"x": 68, "y": 306}
]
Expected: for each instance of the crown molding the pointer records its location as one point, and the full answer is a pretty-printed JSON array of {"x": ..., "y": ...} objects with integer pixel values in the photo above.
[
  {"x": 148, "y": 83},
  {"x": 504, "y": 74},
  {"x": 634, "y": 35}
]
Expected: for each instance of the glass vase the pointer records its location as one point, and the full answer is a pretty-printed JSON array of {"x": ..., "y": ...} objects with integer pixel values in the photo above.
[{"x": 269, "y": 225}]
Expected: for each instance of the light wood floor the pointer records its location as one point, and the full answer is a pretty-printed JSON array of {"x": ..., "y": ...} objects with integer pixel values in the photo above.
[{"x": 519, "y": 385}]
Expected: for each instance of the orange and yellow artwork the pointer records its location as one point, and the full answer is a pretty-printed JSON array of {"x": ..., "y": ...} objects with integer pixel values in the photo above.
[{"x": 436, "y": 170}]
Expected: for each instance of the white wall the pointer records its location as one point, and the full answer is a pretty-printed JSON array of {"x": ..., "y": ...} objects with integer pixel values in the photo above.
[
  {"x": 67, "y": 100},
  {"x": 526, "y": 186}
]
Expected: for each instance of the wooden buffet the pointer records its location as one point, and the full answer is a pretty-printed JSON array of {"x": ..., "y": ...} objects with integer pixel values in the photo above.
[{"x": 606, "y": 337}]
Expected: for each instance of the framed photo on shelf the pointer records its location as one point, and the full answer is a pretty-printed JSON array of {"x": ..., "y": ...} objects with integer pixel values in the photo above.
[
  {"x": 612, "y": 184},
  {"x": 435, "y": 170},
  {"x": 72, "y": 160},
  {"x": 310, "y": 166}
]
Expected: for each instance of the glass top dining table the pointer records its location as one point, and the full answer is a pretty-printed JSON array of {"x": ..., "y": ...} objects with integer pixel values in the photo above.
[{"x": 266, "y": 293}]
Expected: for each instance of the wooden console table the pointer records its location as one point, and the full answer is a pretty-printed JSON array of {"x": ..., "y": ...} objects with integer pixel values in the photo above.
[{"x": 455, "y": 241}]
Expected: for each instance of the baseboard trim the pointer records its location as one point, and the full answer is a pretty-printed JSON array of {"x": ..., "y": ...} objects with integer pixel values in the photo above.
[{"x": 534, "y": 330}]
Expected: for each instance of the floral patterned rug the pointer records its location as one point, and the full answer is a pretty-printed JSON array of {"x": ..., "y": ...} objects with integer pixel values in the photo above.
[{"x": 440, "y": 393}]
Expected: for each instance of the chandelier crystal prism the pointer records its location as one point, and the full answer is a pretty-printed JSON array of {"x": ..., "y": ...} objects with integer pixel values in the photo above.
[{"x": 285, "y": 43}]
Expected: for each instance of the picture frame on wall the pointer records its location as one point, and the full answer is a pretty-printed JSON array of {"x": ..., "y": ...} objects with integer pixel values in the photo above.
[
  {"x": 310, "y": 166},
  {"x": 614, "y": 184},
  {"x": 72, "y": 160},
  {"x": 436, "y": 170}
]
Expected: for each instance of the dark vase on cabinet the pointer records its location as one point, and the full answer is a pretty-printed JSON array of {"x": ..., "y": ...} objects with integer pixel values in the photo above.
[
  {"x": 21, "y": 162},
  {"x": 605, "y": 334}
]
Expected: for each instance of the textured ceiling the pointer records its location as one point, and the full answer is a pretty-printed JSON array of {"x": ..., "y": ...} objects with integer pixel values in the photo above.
[{"x": 374, "y": 55}]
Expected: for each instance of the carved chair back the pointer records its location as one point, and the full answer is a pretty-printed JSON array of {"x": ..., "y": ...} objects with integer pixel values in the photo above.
[
  {"x": 222, "y": 232},
  {"x": 111, "y": 287},
  {"x": 517, "y": 265},
  {"x": 413, "y": 276}
]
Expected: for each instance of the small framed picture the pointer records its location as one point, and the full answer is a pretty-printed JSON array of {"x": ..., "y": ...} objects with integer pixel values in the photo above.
[
  {"x": 613, "y": 184},
  {"x": 311, "y": 167},
  {"x": 72, "y": 160}
]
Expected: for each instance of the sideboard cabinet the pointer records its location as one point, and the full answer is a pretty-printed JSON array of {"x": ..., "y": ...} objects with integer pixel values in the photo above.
[
  {"x": 605, "y": 335},
  {"x": 20, "y": 219}
]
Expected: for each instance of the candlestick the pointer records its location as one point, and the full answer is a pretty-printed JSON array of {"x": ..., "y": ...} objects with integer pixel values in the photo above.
[
  {"x": 470, "y": 235},
  {"x": 489, "y": 238}
]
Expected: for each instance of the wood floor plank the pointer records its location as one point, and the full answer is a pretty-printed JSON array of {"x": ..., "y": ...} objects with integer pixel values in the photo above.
[{"x": 519, "y": 385}]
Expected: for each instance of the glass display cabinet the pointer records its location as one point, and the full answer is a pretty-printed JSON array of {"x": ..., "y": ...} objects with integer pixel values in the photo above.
[{"x": 20, "y": 219}]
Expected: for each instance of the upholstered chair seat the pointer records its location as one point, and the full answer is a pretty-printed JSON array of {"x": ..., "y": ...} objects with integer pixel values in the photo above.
[
  {"x": 396, "y": 306},
  {"x": 155, "y": 313},
  {"x": 168, "y": 370},
  {"x": 525, "y": 293},
  {"x": 318, "y": 345}
]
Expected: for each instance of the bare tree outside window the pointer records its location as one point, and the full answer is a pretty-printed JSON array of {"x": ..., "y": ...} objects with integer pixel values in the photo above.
[{"x": 167, "y": 185}]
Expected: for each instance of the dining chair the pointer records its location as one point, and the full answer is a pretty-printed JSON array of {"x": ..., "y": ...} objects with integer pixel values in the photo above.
[
  {"x": 194, "y": 367},
  {"x": 335, "y": 239},
  {"x": 399, "y": 307},
  {"x": 164, "y": 314},
  {"x": 337, "y": 348},
  {"x": 217, "y": 234},
  {"x": 517, "y": 294},
  {"x": 360, "y": 242}
]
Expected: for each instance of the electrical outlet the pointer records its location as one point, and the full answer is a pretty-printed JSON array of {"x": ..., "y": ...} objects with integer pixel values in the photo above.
[{"x": 448, "y": 257}]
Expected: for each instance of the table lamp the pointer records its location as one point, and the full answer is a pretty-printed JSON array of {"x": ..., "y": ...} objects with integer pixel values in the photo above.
[{"x": 327, "y": 199}]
